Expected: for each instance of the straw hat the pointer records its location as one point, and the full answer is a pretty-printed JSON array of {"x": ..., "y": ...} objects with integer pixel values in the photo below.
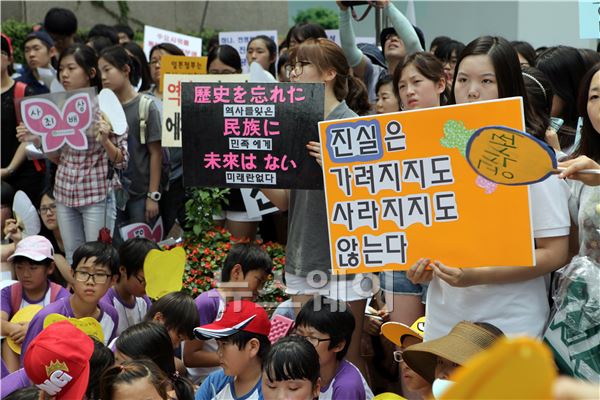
[{"x": 464, "y": 341}]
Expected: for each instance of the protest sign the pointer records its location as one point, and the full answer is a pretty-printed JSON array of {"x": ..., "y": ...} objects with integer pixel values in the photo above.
[
  {"x": 163, "y": 271},
  {"x": 399, "y": 188},
  {"x": 240, "y": 40},
  {"x": 191, "y": 46},
  {"x": 589, "y": 19},
  {"x": 181, "y": 65},
  {"x": 171, "y": 115},
  {"x": 334, "y": 35},
  {"x": 60, "y": 119},
  {"x": 88, "y": 325},
  {"x": 251, "y": 134},
  {"x": 142, "y": 230},
  {"x": 257, "y": 203}
]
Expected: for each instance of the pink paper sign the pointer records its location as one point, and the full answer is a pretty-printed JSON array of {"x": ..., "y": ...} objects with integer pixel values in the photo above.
[
  {"x": 141, "y": 230},
  {"x": 58, "y": 127}
]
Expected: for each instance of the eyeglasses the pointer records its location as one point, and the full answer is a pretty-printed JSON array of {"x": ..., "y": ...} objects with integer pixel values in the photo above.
[
  {"x": 298, "y": 68},
  {"x": 312, "y": 340},
  {"x": 84, "y": 276},
  {"x": 46, "y": 209},
  {"x": 142, "y": 281},
  {"x": 398, "y": 356}
]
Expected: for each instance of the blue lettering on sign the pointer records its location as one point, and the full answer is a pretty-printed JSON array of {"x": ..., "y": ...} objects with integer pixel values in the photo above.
[{"x": 354, "y": 141}]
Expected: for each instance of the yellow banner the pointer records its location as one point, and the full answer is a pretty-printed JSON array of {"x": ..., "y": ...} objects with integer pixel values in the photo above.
[{"x": 181, "y": 65}]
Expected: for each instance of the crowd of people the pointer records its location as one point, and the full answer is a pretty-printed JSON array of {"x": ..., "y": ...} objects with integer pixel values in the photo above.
[{"x": 220, "y": 345}]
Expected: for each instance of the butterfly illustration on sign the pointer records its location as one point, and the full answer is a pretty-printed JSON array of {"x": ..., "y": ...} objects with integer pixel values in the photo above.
[
  {"x": 142, "y": 230},
  {"x": 58, "y": 127}
]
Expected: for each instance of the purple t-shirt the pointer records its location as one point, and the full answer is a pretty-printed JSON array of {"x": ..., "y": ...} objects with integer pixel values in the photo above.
[
  {"x": 348, "y": 383},
  {"x": 208, "y": 306},
  {"x": 108, "y": 319},
  {"x": 128, "y": 315},
  {"x": 6, "y": 298}
]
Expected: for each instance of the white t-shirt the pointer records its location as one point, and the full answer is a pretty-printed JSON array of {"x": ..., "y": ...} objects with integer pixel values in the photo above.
[{"x": 515, "y": 308}]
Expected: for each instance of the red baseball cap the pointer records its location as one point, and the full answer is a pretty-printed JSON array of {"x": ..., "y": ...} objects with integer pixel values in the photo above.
[
  {"x": 58, "y": 361},
  {"x": 239, "y": 315}
]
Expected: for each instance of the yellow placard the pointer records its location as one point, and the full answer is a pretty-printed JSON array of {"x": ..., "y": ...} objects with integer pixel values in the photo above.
[
  {"x": 25, "y": 314},
  {"x": 399, "y": 188},
  {"x": 88, "y": 325},
  {"x": 163, "y": 271},
  {"x": 509, "y": 157},
  {"x": 181, "y": 65},
  {"x": 521, "y": 368}
]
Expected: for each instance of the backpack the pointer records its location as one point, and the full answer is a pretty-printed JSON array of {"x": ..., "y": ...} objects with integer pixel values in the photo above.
[
  {"x": 16, "y": 294},
  {"x": 144, "y": 110}
]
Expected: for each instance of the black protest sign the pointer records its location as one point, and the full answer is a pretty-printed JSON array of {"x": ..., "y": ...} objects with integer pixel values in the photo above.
[{"x": 251, "y": 134}]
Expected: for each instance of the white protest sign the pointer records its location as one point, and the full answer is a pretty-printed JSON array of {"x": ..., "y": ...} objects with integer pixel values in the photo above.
[
  {"x": 191, "y": 46},
  {"x": 257, "y": 203},
  {"x": 240, "y": 40},
  {"x": 171, "y": 115},
  {"x": 334, "y": 35}
]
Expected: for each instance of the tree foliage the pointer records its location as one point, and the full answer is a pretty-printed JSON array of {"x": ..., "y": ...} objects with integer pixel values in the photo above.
[{"x": 325, "y": 17}]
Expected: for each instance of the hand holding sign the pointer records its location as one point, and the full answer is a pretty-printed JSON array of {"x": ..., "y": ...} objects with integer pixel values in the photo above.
[{"x": 510, "y": 157}]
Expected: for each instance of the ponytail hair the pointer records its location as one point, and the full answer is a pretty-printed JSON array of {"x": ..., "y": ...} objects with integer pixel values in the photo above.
[
  {"x": 118, "y": 57},
  {"x": 325, "y": 55}
]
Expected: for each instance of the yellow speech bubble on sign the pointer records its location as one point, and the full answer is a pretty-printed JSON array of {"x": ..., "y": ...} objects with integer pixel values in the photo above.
[
  {"x": 25, "y": 314},
  {"x": 521, "y": 368},
  {"x": 88, "y": 325},
  {"x": 163, "y": 271},
  {"x": 510, "y": 157}
]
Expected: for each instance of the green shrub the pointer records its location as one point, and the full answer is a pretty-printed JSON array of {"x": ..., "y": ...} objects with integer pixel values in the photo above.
[
  {"x": 16, "y": 31},
  {"x": 325, "y": 17}
]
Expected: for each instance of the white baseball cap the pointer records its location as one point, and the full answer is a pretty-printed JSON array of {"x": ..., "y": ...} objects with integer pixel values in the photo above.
[{"x": 35, "y": 247}]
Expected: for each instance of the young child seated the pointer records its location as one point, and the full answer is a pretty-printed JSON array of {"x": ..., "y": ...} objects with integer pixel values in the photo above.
[
  {"x": 244, "y": 272},
  {"x": 291, "y": 370},
  {"x": 404, "y": 336},
  {"x": 438, "y": 358},
  {"x": 95, "y": 268},
  {"x": 242, "y": 336},
  {"x": 33, "y": 262},
  {"x": 128, "y": 296},
  {"x": 328, "y": 325},
  {"x": 177, "y": 312},
  {"x": 135, "y": 379}
]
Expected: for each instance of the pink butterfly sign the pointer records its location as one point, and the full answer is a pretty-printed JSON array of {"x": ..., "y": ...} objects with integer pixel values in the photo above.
[
  {"x": 141, "y": 230},
  {"x": 59, "y": 126}
]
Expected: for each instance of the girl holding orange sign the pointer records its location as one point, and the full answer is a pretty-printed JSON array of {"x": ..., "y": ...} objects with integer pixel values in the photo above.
[{"x": 514, "y": 299}]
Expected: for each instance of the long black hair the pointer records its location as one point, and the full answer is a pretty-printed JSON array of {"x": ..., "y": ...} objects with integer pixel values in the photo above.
[
  {"x": 271, "y": 48},
  {"x": 227, "y": 55},
  {"x": 134, "y": 49},
  {"x": 87, "y": 59},
  {"x": 589, "y": 144},
  {"x": 118, "y": 57}
]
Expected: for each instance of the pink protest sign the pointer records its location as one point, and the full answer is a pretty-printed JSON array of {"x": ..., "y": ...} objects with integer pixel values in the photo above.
[
  {"x": 141, "y": 230},
  {"x": 57, "y": 124}
]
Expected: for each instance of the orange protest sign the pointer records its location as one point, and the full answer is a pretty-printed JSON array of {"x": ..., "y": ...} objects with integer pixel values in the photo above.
[
  {"x": 399, "y": 188},
  {"x": 181, "y": 65},
  {"x": 510, "y": 157}
]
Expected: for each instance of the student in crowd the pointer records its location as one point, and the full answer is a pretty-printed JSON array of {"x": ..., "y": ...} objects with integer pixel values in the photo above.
[
  {"x": 448, "y": 53},
  {"x": 358, "y": 99},
  {"x": 156, "y": 54},
  {"x": 282, "y": 75},
  {"x": 177, "y": 312},
  {"x": 584, "y": 200},
  {"x": 61, "y": 24},
  {"x": 526, "y": 53},
  {"x": 300, "y": 33},
  {"x": 16, "y": 170},
  {"x": 396, "y": 42},
  {"x": 439, "y": 358},
  {"x": 244, "y": 272},
  {"x": 564, "y": 67},
  {"x": 120, "y": 73},
  {"x": 102, "y": 359},
  {"x": 151, "y": 340},
  {"x": 403, "y": 336},
  {"x": 263, "y": 50},
  {"x": 420, "y": 82},
  {"x": 39, "y": 51},
  {"x": 172, "y": 202},
  {"x": 436, "y": 42},
  {"x": 137, "y": 52},
  {"x": 139, "y": 379},
  {"x": 291, "y": 370},
  {"x": 386, "y": 101},
  {"x": 308, "y": 250},
  {"x": 328, "y": 325},
  {"x": 224, "y": 59},
  {"x": 242, "y": 335},
  {"x": 33, "y": 261},
  {"x": 590, "y": 58},
  {"x": 512, "y": 298},
  {"x": 84, "y": 181},
  {"x": 125, "y": 33},
  {"x": 128, "y": 296},
  {"x": 95, "y": 269}
]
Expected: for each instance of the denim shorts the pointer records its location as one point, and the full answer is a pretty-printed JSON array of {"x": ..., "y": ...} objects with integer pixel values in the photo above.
[{"x": 396, "y": 282}]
